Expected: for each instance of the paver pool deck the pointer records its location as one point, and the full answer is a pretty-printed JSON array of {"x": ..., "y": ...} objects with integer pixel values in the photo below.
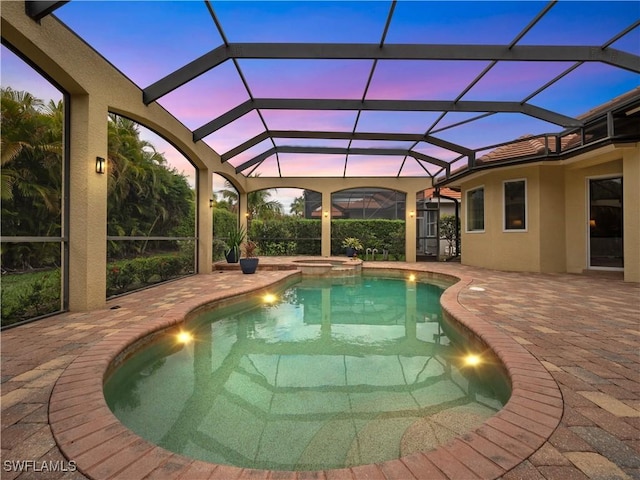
[{"x": 571, "y": 345}]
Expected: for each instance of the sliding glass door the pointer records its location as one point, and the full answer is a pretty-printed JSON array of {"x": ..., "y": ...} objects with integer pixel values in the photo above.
[{"x": 605, "y": 223}]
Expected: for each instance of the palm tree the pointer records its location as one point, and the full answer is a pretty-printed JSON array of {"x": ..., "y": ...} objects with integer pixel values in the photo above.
[
  {"x": 258, "y": 203},
  {"x": 31, "y": 176},
  {"x": 145, "y": 196},
  {"x": 31, "y": 145},
  {"x": 297, "y": 206}
]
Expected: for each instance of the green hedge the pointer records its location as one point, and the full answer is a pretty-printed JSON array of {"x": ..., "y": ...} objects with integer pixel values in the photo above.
[
  {"x": 378, "y": 233},
  {"x": 287, "y": 236},
  {"x": 301, "y": 236},
  {"x": 223, "y": 222},
  {"x": 128, "y": 275},
  {"x": 29, "y": 295}
]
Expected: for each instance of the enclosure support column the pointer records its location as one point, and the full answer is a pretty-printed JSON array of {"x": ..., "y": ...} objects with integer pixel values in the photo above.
[
  {"x": 205, "y": 221},
  {"x": 410, "y": 227},
  {"x": 631, "y": 221},
  {"x": 326, "y": 224},
  {"x": 87, "y": 204},
  {"x": 243, "y": 212}
]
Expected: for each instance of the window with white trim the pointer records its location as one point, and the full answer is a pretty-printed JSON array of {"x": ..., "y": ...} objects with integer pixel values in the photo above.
[
  {"x": 475, "y": 210},
  {"x": 515, "y": 205}
]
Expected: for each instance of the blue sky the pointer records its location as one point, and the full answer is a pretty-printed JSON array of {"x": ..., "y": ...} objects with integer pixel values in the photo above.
[{"x": 147, "y": 40}]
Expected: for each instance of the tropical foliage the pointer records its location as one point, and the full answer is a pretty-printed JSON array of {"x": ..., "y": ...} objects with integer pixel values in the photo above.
[
  {"x": 31, "y": 178},
  {"x": 297, "y": 206},
  {"x": 287, "y": 236},
  {"x": 145, "y": 196},
  {"x": 449, "y": 229},
  {"x": 377, "y": 233},
  {"x": 29, "y": 295},
  {"x": 131, "y": 274},
  {"x": 259, "y": 202}
]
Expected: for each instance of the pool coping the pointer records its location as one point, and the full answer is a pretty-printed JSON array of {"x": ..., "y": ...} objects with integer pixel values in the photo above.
[{"x": 88, "y": 433}]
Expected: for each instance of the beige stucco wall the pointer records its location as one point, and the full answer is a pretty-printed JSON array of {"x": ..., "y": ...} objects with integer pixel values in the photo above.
[
  {"x": 557, "y": 194},
  {"x": 494, "y": 248},
  {"x": 551, "y": 234},
  {"x": 631, "y": 202}
]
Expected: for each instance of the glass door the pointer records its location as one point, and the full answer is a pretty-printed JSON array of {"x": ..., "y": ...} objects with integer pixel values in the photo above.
[{"x": 605, "y": 223}]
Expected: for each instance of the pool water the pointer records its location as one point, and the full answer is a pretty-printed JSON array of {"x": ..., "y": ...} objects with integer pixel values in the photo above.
[{"x": 331, "y": 374}]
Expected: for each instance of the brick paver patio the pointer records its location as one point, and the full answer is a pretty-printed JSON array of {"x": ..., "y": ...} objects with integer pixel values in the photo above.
[{"x": 574, "y": 412}]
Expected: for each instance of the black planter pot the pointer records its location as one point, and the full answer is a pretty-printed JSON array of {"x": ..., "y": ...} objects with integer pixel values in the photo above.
[
  {"x": 249, "y": 265},
  {"x": 351, "y": 251},
  {"x": 232, "y": 256}
]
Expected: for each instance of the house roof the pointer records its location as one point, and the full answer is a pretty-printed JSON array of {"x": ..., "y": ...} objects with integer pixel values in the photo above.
[
  {"x": 530, "y": 146},
  {"x": 430, "y": 193}
]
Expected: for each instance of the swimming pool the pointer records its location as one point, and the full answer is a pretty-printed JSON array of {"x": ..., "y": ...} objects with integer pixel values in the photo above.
[{"x": 331, "y": 374}]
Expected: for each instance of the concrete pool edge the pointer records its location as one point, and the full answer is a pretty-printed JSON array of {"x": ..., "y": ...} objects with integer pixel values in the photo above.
[{"x": 88, "y": 433}]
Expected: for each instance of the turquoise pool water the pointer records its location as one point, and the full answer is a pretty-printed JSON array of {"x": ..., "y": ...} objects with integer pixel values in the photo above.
[{"x": 331, "y": 374}]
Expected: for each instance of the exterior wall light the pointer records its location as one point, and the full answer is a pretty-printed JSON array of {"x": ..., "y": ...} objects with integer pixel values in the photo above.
[
  {"x": 326, "y": 214},
  {"x": 412, "y": 213},
  {"x": 101, "y": 165},
  {"x": 211, "y": 203}
]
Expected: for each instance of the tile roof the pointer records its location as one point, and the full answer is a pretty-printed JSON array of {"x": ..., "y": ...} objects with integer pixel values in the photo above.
[{"x": 444, "y": 191}]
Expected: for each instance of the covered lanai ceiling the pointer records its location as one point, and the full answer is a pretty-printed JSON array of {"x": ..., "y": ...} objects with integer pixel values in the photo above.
[{"x": 354, "y": 89}]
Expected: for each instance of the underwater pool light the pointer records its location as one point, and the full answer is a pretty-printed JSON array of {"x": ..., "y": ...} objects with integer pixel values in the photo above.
[
  {"x": 472, "y": 360},
  {"x": 412, "y": 278},
  {"x": 269, "y": 298},
  {"x": 184, "y": 337}
]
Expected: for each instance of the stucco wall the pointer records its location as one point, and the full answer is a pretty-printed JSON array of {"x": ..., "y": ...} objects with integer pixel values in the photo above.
[
  {"x": 557, "y": 194},
  {"x": 552, "y": 219},
  {"x": 631, "y": 199},
  {"x": 495, "y": 248}
]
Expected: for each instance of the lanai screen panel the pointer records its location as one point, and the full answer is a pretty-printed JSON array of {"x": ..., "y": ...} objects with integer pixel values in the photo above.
[{"x": 274, "y": 86}]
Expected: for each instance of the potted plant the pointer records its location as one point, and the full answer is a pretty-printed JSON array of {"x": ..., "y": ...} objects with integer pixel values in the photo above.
[
  {"x": 353, "y": 245},
  {"x": 234, "y": 240},
  {"x": 249, "y": 263}
]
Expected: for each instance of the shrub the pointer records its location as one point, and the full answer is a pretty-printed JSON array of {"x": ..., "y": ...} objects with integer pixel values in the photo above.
[
  {"x": 219, "y": 247},
  {"x": 145, "y": 269},
  {"x": 119, "y": 277},
  {"x": 25, "y": 296},
  {"x": 449, "y": 230},
  {"x": 372, "y": 234},
  {"x": 128, "y": 275},
  {"x": 169, "y": 267},
  {"x": 275, "y": 249},
  {"x": 223, "y": 222}
]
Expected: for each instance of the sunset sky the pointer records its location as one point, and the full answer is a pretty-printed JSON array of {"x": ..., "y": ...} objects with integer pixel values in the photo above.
[{"x": 147, "y": 40}]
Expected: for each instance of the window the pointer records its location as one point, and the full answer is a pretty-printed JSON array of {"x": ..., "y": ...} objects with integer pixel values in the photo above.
[
  {"x": 515, "y": 205},
  {"x": 475, "y": 210}
]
